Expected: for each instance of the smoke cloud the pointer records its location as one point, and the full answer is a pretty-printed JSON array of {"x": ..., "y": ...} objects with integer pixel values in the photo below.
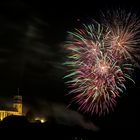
[{"x": 63, "y": 115}]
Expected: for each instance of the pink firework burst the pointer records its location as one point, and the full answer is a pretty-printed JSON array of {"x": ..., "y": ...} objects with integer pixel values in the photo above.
[
  {"x": 98, "y": 62},
  {"x": 123, "y": 38}
]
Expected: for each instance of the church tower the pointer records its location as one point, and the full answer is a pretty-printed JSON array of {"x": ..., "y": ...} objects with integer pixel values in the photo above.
[{"x": 17, "y": 103}]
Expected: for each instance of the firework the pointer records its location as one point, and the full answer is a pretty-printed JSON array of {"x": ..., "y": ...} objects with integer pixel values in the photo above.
[
  {"x": 123, "y": 38},
  {"x": 98, "y": 63}
]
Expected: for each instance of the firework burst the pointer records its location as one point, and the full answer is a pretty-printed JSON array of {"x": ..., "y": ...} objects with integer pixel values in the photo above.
[
  {"x": 123, "y": 38},
  {"x": 98, "y": 62}
]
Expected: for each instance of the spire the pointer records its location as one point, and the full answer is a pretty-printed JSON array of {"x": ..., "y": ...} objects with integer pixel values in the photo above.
[{"x": 18, "y": 91}]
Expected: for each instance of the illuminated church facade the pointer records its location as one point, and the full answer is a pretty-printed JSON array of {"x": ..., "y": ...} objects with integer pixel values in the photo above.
[{"x": 16, "y": 109}]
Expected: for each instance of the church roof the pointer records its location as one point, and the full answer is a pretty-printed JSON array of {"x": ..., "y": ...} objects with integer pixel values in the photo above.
[{"x": 7, "y": 108}]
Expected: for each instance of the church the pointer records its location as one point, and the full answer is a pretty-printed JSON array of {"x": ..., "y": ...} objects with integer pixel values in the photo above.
[{"x": 16, "y": 109}]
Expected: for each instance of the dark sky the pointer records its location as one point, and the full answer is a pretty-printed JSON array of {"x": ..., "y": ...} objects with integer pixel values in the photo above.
[{"x": 31, "y": 52}]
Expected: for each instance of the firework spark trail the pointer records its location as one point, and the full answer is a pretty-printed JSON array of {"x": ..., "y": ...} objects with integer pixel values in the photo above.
[{"x": 98, "y": 65}]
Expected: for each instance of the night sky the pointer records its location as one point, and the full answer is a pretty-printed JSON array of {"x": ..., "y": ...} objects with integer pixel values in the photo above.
[{"x": 32, "y": 52}]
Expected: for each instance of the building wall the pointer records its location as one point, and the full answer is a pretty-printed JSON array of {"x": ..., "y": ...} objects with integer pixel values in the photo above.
[{"x": 4, "y": 113}]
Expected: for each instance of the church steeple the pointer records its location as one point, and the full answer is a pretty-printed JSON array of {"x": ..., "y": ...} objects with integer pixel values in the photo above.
[{"x": 17, "y": 103}]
